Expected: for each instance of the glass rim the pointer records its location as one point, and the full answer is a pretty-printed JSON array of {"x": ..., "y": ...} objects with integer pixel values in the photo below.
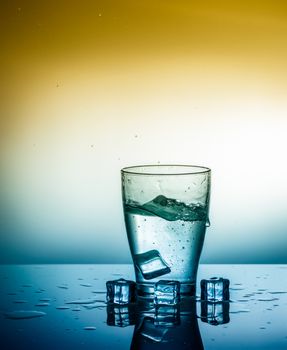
[{"x": 197, "y": 169}]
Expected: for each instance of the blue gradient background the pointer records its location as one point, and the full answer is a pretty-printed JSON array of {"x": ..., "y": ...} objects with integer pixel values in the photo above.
[{"x": 90, "y": 87}]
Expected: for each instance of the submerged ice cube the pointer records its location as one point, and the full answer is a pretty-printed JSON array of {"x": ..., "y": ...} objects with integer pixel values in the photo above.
[
  {"x": 121, "y": 316},
  {"x": 120, "y": 291},
  {"x": 215, "y": 289},
  {"x": 167, "y": 315},
  {"x": 166, "y": 293},
  {"x": 215, "y": 313},
  {"x": 151, "y": 264}
]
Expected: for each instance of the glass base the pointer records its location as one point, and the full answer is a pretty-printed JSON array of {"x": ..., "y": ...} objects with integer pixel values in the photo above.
[{"x": 146, "y": 290}]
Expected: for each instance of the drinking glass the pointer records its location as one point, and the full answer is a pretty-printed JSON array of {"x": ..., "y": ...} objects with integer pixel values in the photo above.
[{"x": 166, "y": 215}]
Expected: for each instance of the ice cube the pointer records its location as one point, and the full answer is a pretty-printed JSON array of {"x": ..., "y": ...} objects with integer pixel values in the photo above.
[
  {"x": 166, "y": 293},
  {"x": 121, "y": 316},
  {"x": 215, "y": 313},
  {"x": 151, "y": 264},
  {"x": 150, "y": 331},
  {"x": 120, "y": 291},
  {"x": 215, "y": 289},
  {"x": 167, "y": 315}
]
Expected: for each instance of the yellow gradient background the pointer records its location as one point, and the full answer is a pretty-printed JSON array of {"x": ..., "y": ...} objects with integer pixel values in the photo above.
[{"x": 88, "y": 87}]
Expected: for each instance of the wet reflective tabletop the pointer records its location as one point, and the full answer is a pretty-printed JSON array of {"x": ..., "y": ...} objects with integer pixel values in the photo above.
[{"x": 64, "y": 306}]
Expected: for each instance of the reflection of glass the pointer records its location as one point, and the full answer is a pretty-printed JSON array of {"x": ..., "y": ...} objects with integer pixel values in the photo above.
[
  {"x": 215, "y": 313},
  {"x": 166, "y": 214},
  {"x": 172, "y": 328}
]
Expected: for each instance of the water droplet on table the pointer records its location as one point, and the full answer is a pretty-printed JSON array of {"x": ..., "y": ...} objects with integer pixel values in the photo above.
[
  {"x": 81, "y": 301},
  {"x": 21, "y": 314}
]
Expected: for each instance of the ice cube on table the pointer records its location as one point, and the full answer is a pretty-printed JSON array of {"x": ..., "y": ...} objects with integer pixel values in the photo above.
[
  {"x": 121, "y": 316},
  {"x": 166, "y": 293},
  {"x": 151, "y": 264},
  {"x": 121, "y": 291},
  {"x": 215, "y": 313},
  {"x": 215, "y": 289},
  {"x": 167, "y": 315}
]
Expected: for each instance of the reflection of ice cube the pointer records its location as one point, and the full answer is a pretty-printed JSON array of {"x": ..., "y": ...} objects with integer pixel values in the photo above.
[
  {"x": 167, "y": 315},
  {"x": 151, "y": 264},
  {"x": 120, "y": 291},
  {"x": 120, "y": 316},
  {"x": 215, "y": 289},
  {"x": 150, "y": 331},
  {"x": 167, "y": 292},
  {"x": 215, "y": 313},
  {"x": 172, "y": 209}
]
